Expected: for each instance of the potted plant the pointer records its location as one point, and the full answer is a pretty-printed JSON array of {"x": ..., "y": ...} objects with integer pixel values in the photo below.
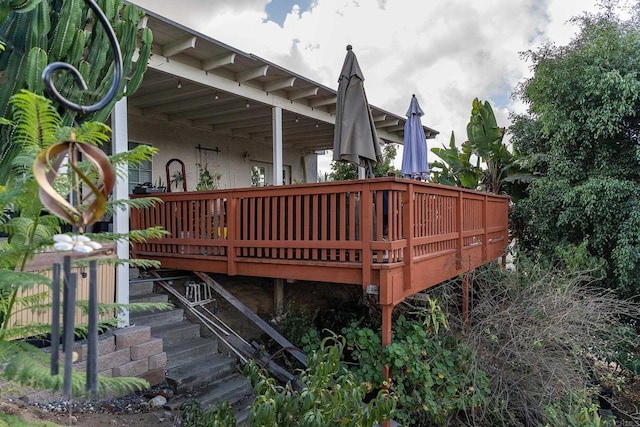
[{"x": 208, "y": 180}]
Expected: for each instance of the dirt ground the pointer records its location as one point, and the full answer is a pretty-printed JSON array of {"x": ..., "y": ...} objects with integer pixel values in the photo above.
[{"x": 36, "y": 417}]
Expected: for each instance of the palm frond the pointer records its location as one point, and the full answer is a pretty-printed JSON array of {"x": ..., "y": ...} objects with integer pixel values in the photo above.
[
  {"x": 94, "y": 133},
  {"x": 10, "y": 279},
  {"x": 134, "y": 157},
  {"x": 31, "y": 330},
  {"x": 35, "y": 120},
  {"x": 137, "y": 203}
]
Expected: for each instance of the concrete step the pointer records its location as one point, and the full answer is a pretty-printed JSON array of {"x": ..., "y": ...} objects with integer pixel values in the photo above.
[
  {"x": 233, "y": 390},
  {"x": 140, "y": 288},
  {"x": 188, "y": 351},
  {"x": 242, "y": 408},
  {"x": 153, "y": 297},
  {"x": 201, "y": 371},
  {"x": 176, "y": 333},
  {"x": 157, "y": 318}
]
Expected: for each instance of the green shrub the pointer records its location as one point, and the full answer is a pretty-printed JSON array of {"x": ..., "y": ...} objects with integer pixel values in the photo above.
[
  {"x": 431, "y": 371},
  {"x": 331, "y": 395}
]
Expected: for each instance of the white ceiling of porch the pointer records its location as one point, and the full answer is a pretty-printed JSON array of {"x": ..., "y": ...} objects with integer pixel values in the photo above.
[{"x": 196, "y": 81}]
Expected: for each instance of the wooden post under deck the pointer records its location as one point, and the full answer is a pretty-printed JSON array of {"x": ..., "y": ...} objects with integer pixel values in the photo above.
[
  {"x": 465, "y": 300},
  {"x": 278, "y": 296},
  {"x": 387, "y": 322}
]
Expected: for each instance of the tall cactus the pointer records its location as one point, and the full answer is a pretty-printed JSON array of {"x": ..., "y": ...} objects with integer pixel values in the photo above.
[{"x": 38, "y": 32}]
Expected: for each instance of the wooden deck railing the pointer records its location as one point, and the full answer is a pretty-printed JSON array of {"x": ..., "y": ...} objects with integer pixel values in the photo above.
[{"x": 401, "y": 235}]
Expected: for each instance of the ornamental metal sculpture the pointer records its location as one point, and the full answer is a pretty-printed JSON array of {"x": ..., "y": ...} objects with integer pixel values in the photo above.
[{"x": 82, "y": 206}]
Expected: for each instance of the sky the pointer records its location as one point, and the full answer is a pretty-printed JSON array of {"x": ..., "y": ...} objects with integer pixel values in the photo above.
[{"x": 446, "y": 52}]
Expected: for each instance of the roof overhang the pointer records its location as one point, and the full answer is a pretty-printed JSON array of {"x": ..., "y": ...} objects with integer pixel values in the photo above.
[{"x": 197, "y": 81}]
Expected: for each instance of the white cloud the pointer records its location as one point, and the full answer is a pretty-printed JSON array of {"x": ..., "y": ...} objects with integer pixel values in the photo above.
[{"x": 447, "y": 53}]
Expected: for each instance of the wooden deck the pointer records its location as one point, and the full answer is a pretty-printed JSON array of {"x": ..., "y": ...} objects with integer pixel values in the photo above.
[{"x": 399, "y": 235}]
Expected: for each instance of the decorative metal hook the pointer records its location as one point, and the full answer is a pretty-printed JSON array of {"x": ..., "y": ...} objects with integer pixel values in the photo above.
[{"x": 47, "y": 74}]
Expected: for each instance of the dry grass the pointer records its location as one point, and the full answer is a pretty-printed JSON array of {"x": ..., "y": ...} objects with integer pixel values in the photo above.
[{"x": 537, "y": 334}]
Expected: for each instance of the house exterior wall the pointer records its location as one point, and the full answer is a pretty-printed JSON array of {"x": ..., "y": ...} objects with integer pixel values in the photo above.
[{"x": 233, "y": 162}]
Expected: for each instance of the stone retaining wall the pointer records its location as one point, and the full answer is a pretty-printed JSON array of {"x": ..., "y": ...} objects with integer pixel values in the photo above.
[{"x": 128, "y": 352}]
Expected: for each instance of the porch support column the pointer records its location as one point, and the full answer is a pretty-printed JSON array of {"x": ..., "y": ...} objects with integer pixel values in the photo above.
[
  {"x": 276, "y": 114},
  {"x": 120, "y": 138}
]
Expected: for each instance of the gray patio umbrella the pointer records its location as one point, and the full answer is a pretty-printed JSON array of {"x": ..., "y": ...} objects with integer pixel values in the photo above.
[
  {"x": 355, "y": 139},
  {"x": 414, "y": 153}
]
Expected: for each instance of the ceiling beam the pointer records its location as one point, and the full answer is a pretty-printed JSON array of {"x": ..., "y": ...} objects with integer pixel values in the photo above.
[
  {"x": 395, "y": 128},
  {"x": 323, "y": 101},
  {"x": 252, "y": 73},
  {"x": 235, "y": 105},
  {"x": 387, "y": 123},
  {"x": 279, "y": 84},
  {"x": 184, "y": 105},
  {"x": 266, "y": 121},
  {"x": 218, "y": 61},
  {"x": 303, "y": 93},
  {"x": 167, "y": 95},
  {"x": 212, "y": 80},
  {"x": 234, "y": 117},
  {"x": 379, "y": 117},
  {"x": 178, "y": 46}
]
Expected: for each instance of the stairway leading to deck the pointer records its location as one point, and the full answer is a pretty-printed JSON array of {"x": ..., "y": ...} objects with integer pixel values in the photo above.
[{"x": 195, "y": 366}]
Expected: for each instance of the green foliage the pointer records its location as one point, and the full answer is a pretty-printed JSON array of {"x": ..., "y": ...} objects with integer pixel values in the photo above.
[
  {"x": 298, "y": 325},
  {"x": 7, "y": 420},
  {"x": 194, "y": 416},
  {"x": 431, "y": 371},
  {"x": 582, "y": 414},
  {"x": 455, "y": 168},
  {"x": 497, "y": 169},
  {"x": 207, "y": 180},
  {"x": 344, "y": 171},
  {"x": 40, "y": 32},
  {"x": 331, "y": 395},
  {"x": 583, "y": 101}
]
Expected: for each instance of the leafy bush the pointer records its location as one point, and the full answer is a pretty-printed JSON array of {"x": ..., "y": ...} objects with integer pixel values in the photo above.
[
  {"x": 432, "y": 372},
  {"x": 331, "y": 396}
]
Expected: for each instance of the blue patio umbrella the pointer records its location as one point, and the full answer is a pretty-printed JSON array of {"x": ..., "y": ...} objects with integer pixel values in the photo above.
[
  {"x": 355, "y": 138},
  {"x": 414, "y": 154}
]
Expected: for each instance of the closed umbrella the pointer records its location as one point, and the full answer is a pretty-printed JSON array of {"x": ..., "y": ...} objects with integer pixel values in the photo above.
[
  {"x": 355, "y": 139},
  {"x": 414, "y": 153}
]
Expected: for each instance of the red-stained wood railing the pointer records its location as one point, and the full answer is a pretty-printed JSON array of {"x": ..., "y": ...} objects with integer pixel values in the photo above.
[{"x": 400, "y": 235}]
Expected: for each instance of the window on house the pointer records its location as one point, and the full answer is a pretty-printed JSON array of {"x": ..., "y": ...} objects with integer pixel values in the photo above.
[
  {"x": 258, "y": 176},
  {"x": 141, "y": 173},
  {"x": 262, "y": 174},
  {"x": 138, "y": 174}
]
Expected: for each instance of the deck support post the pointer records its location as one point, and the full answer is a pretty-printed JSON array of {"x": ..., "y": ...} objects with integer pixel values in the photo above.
[
  {"x": 278, "y": 296},
  {"x": 387, "y": 321},
  {"x": 465, "y": 300},
  {"x": 387, "y": 310}
]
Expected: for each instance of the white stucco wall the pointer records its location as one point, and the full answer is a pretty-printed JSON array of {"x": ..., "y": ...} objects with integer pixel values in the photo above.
[{"x": 233, "y": 161}]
